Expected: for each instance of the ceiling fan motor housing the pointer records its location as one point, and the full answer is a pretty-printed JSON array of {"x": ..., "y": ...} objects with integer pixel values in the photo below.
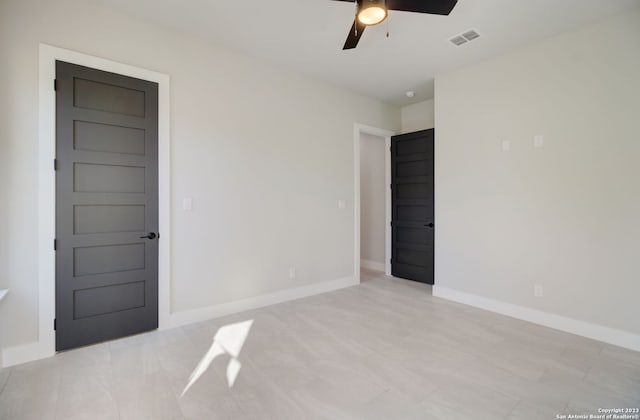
[{"x": 371, "y": 12}]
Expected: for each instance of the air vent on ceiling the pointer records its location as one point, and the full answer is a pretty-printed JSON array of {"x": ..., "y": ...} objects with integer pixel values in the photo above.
[
  {"x": 464, "y": 37},
  {"x": 471, "y": 35},
  {"x": 458, "y": 40}
]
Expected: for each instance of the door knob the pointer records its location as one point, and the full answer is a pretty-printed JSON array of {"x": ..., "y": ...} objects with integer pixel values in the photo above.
[
  {"x": 429, "y": 225},
  {"x": 151, "y": 235}
]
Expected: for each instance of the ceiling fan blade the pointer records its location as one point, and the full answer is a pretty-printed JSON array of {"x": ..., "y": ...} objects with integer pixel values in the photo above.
[
  {"x": 354, "y": 35},
  {"x": 434, "y": 7}
]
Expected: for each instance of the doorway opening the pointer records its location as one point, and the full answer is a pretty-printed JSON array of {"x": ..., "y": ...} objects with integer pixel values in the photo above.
[
  {"x": 372, "y": 201},
  {"x": 372, "y": 204}
]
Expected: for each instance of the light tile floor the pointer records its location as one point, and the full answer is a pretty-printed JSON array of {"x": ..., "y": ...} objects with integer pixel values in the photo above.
[{"x": 385, "y": 349}]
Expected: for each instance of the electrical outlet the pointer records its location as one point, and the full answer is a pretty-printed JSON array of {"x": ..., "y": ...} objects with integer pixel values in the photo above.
[
  {"x": 341, "y": 204},
  {"x": 538, "y": 290},
  {"x": 187, "y": 203},
  {"x": 506, "y": 145},
  {"x": 292, "y": 273},
  {"x": 538, "y": 142}
]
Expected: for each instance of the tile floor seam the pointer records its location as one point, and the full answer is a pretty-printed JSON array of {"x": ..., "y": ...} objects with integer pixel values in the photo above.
[
  {"x": 513, "y": 408},
  {"x": 4, "y": 386},
  {"x": 110, "y": 350}
]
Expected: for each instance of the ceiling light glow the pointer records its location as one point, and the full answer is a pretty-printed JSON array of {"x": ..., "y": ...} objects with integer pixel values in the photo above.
[{"x": 372, "y": 12}]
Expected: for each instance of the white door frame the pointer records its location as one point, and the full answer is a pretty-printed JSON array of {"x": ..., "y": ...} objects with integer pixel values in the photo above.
[
  {"x": 45, "y": 345},
  {"x": 379, "y": 132}
]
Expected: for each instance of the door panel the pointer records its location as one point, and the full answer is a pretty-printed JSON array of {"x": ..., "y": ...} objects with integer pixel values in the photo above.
[
  {"x": 94, "y": 177},
  {"x": 107, "y": 299},
  {"x": 108, "y": 219},
  {"x": 106, "y": 201},
  {"x": 103, "y": 96},
  {"x": 412, "y": 206},
  {"x": 103, "y": 259},
  {"x": 95, "y": 137}
]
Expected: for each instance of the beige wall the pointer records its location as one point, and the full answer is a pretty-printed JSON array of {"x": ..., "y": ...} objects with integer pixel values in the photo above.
[
  {"x": 565, "y": 216},
  {"x": 372, "y": 198},
  {"x": 266, "y": 155},
  {"x": 418, "y": 116}
]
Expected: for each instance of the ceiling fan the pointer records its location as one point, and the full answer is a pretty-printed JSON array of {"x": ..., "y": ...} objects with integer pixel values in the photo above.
[{"x": 372, "y": 12}]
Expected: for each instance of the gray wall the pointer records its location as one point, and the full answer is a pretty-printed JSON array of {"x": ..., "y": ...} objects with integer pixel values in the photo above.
[
  {"x": 418, "y": 116},
  {"x": 566, "y": 215}
]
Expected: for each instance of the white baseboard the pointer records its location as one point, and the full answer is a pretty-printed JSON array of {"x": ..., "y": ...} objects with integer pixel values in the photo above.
[
  {"x": 178, "y": 319},
  {"x": 594, "y": 331},
  {"x": 40, "y": 350},
  {"x": 372, "y": 265},
  {"x": 25, "y": 353}
]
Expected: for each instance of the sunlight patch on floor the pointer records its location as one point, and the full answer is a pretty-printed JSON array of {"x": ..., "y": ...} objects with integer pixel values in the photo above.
[{"x": 227, "y": 340}]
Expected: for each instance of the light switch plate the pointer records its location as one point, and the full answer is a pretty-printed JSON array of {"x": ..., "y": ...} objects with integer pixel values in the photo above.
[
  {"x": 187, "y": 203},
  {"x": 341, "y": 204},
  {"x": 538, "y": 142},
  {"x": 506, "y": 145}
]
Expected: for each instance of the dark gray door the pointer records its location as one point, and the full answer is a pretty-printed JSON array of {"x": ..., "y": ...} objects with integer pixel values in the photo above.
[
  {"x": 106, "y": 206},
  {"x": 412, "y": 220}
]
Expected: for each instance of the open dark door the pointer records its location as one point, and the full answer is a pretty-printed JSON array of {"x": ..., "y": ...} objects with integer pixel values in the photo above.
[
  {"x": 106, "y": 206},
  {"x": 412, "y": 220}
]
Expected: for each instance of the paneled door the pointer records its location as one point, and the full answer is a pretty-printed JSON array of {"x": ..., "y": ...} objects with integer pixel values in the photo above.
[
  {"x": 106, "y": 206},
  {"x": 412, "y": 206}
]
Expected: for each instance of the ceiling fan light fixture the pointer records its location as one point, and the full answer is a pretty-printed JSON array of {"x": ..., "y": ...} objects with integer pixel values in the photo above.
[{"x": 372, "y": 12}]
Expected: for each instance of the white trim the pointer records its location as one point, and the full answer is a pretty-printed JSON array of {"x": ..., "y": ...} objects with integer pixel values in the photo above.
[
  {"x": 360, "y": 128},
  {"x": 202, "y": 314},
  {"x": 372, "y": 265},
  {"x": 45, "y": 345},
  {"x": 570, "y": 325},
  {"x": 26, "y": 353}
]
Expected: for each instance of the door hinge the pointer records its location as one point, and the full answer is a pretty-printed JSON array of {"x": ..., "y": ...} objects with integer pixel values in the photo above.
[
  {"x": 55, "y": 324},
  {"x": 55, "y": 244},
  {"x": 391, "y": 186},
  {"x": 55, "y": 164},
  {"x": 55, "y": 84}
]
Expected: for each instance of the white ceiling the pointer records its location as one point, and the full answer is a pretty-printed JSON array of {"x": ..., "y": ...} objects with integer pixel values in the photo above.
[{"x": 307, "y": 35}]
